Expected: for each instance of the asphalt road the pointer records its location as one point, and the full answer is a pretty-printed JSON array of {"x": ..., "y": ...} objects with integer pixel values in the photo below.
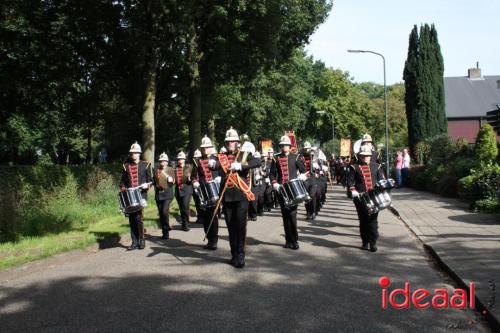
[{"x": 329, "y": 285}]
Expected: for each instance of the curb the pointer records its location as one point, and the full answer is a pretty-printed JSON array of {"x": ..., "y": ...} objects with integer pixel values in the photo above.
[{"x": 493, "y": 322}]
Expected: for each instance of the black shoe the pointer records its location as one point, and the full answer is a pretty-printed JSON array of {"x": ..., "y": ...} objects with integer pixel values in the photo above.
[
  {"x": 309, "y": 217},
  {"x": 373, "y": 248},
  {"x": 210, "y": 247},
  {"x": 240, "y": 261},
  {"x": 294, "y": 246},
  {"x": 240, "y": 264},
  {"x": 142, "y": 245},
  {"x": 232, "y": 261},
  {"x": 132, "y": 247},
  {"x": 287, "y": 245},
  {"x": 165, "y": 236},
  {"x": 364, "y": 246},
  {"x": 169, "y": 228},
  {"x": 253, "y": 219},
  {"x": 185, "y": 227}
]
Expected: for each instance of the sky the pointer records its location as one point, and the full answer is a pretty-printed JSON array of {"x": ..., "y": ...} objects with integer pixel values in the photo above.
[{"x": 468, "y": 32}]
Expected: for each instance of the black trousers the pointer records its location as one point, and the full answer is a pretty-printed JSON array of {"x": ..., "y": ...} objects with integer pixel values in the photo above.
[
  {"x": 368, "y": 224},
  {"x": 253, "y": 206},
  {"x": 163, "y": 212},
  {"x": 235, "y": 213},
  {"x": 260, "y": 201},
  {"x": 136, "y": 227},
  {"x": 268, "y": 197},
  {"x": 205, "y": 215},
  {"x": 311, "y": 205},
  {"x": 289, "y": 215},
  {"x": 183, "y": 203}
]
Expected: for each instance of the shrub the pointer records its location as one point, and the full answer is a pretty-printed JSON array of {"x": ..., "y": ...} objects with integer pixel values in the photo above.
[
  {"x": 486, "y": 149},
  {"x": 447, "y": 186},
  {"x": 50, "y": 199},
  {"x": 487, "y": 205}
]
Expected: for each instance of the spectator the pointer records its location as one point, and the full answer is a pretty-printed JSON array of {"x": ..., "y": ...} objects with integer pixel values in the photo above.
[
  {"x": 406, "y": 167},
  {"x": 399, "y": 166}
]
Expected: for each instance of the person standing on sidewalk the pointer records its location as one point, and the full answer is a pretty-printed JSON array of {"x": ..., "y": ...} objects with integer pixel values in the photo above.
[
  {"x": 163, "y": 181},
  {"x": 183, "y": 188},
  {"x": 399, "y": 165},
  {"x": 405, "y": 170},
  {"x": 362, "y": 178}
]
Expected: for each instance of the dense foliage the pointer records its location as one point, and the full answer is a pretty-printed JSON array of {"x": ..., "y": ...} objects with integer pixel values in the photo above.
[{"x": 424, "y": 98}]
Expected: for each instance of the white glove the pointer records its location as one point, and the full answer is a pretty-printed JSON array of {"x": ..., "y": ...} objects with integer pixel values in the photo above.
[
  {"x": 235, "y": 166},
  {"x": 258, "y": 177},
  {"x": 196, "y": 184},
  {"x": 217, "y": 179},
  {"x": 302, "y": 177},
  {"x": 325, "y": 168},
  {"x": 355, "y": 194},
  {"x": 315, "y": 166},
  {"x": 170, "y": 179},
  {"x": 276, "y": 186},
  {"x": 268, "y": 181},
  {"x": 211, "y": 163},
  {"x": 145, "y": 186}
]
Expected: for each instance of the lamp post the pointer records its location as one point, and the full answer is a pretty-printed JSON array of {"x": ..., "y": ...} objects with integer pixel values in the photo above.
[
  {"x": 333, "y": 127},
  {"x": 385, "y": 109}
]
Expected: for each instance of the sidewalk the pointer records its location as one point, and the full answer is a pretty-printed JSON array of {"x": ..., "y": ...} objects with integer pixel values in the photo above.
[{"x": 467, "y": 243}]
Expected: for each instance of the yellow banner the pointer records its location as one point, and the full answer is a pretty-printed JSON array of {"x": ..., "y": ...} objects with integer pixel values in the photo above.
[{"x": 345, "y": 147}]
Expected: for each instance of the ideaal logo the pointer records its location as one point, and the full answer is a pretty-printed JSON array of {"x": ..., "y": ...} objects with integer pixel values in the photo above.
[{"x": 422, "y": 298}]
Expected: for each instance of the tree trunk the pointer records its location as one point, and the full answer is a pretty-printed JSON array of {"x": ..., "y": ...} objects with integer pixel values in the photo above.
[
  {"x": 194, "y": 92},
  {"x": 148, "y": 115}
]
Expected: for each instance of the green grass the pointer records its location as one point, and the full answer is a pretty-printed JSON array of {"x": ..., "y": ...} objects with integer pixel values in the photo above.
[{"x": 29, "y": 249}]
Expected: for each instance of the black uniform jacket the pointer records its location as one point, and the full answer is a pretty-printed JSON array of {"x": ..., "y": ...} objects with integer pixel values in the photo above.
[
  {"x": 285, "y": 167},
  {"x": 183, "y": 180},
  {"x": 232, "y": 192},
  {"x": 363, "y": 177},
  {"x": 135, "y": 174},
  {"x": 202, "y": 173},
  {"x": 162, "y": 193}
]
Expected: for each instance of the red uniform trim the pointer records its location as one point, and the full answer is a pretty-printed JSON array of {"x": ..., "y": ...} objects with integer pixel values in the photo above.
[
  {"x": 178, "y": 177},
  {"x": 367, "y": 176}
]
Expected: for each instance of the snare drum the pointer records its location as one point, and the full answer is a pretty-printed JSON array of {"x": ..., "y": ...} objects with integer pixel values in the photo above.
[
  {"x": 294, "y": 192},
  {"x": 131, "y": 200},
  {"x": 208, "y": 194}
]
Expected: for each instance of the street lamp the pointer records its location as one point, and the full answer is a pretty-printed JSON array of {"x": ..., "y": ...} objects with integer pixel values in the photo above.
[
  {"x": 333, "y": 127},
  {"x": 385, "y": 109}
]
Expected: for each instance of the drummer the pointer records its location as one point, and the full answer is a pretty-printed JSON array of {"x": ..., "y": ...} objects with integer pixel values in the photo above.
[
  {"x": 163, "y": 181},
  {"x": 283, "y": 169},
  {"x": 136, "y": 173},
  {"x": 362, "y": 178},
  {"x": 206, "y": 171}
]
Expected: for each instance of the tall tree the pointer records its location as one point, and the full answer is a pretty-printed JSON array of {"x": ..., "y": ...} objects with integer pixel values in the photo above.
[{"x": 424, "y": 96}]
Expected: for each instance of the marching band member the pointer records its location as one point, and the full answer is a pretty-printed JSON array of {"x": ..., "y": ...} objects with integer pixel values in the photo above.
[
  {"x": 206, "y": 171},
  {"x": 284, "y": 168},
  {"x": 136, "y": 173},
  {"x": 196, "y": 158},
  {"x": 311, "y": 183},
  {"x": 237, "y": 194},
  {"x": 256, "y": 186},
  {"x": 163, "y": 182},
  {"x": 268, "y": 192},
  {"x": 362, "y": 178},
  {"x": 366, "y": 140},
  {"x": 183, "y": 189}
]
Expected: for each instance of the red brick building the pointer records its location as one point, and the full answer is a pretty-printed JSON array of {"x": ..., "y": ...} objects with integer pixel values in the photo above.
[{"x": 468, "y": 101}]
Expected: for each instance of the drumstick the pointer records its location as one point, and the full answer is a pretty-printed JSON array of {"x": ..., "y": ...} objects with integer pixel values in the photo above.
[{"x": 220, "y": 199}]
